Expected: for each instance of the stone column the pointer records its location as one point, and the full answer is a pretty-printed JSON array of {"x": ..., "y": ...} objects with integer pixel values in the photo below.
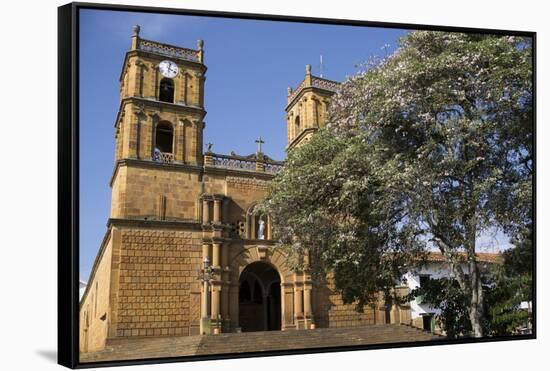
[
  {"x": 305, "y": 113},
  {"x": 184, "y": 92},
  {"x": 315, "y": 104},
  {"x": 200, "y": 92},
  {"x": 205, "y": 302},
  {"x": 180, "y": 141},
  {"x": 149, "y": 138},
  {"x": 308, "y": 313},
  {"x": 195, "y": 141},
  {"x": 216, "y": 255},
  {"x": 217, "y": 210},
  {"x": 205, "y": 299},
  {"x": 191, "y": 143},
  {"x": 307, "y": 301},
  {"x": 298, "y": 309},
  {"x": 253, "y": 226},
  {"x": 289, "y": 124},
  {"x": 205, "y": 211},
  {"x": 156, "y": 82},
  {"x": 139, "y": 79},
  {"x": 215, "y": 302},
  {"x": 133, "y": 135}
]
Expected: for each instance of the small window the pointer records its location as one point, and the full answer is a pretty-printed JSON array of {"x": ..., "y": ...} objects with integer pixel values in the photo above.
[
  {"x": 166, "y": 93},
  {"x": 427, "y": 322}
]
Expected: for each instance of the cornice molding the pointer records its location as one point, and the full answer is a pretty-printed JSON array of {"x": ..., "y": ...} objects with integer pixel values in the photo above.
[
  {"x": 301, "y": 136},
  {"x": 162, "y": 224}
]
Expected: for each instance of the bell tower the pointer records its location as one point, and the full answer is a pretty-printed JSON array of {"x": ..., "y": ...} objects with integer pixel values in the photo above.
[
  {"x": 307, "y": 107},
  {"x": 161, "y": 103},
  {"x": 159, "y": 131}
]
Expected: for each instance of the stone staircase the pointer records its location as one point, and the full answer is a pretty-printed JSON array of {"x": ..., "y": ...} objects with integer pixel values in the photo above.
[{"x": 130, "y": 349}]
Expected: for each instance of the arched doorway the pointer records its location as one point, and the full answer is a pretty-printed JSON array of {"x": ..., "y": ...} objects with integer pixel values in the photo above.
[{"x": 259, "y": 298}]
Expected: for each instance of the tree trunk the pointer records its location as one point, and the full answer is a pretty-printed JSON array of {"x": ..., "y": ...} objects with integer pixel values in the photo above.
[
  {"x": 475, "y": 286},
  {"x": 476, "y": 306}
]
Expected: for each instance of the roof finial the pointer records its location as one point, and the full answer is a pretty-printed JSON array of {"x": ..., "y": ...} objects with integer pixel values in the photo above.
[
  {"x": 259, "y": 142},
  {"x": 308, "y": 69},
  {"x": 200, "y": 44},
  {"x": 136, "y": 30}
]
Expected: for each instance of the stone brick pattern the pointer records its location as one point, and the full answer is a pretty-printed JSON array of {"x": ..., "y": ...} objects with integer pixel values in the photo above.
[
  {"x": 136, "y": 124},
  {"x": 136, "y": 193},
  {"x": 94, "y": 307},
  {"x": 330, "y": 310},
  {"x": 141, "y": 77},
  {"x": 158, "y": 273}
]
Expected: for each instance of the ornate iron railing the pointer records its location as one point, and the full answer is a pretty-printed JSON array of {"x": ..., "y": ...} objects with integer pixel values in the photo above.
[{"x": 169, "y": 50}]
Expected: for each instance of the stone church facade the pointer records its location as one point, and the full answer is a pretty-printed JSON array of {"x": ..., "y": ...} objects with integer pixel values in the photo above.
[{"x": 176, "y": 208}]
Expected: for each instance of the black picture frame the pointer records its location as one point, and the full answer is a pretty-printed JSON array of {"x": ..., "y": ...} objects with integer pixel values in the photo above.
[{"x": 68, "y": 180}]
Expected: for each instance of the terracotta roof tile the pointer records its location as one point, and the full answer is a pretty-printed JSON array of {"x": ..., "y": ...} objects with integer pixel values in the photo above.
[{"x": 481, "y": 257}]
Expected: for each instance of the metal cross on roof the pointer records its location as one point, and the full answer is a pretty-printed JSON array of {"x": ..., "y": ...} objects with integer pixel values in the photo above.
[{"x": 259, "y": 142}]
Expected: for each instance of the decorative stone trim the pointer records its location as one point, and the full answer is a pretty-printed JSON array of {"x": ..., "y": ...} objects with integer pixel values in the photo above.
[
  {"x": 253, "y": 182},
  {"x": 171, "y": 224}
]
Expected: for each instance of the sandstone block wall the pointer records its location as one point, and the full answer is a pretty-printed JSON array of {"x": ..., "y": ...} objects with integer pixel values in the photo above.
[
  {"x": 95, "y": 313},
  {"x": 158, "y": 287},
  {"x": 141, "y": 77},
  {"x": 330, "y": 310},
  {"x": 155, "y": 193}
]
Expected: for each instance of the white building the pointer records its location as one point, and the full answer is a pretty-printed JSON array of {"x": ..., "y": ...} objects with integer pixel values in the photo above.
[{"x": 423, "y": 314}]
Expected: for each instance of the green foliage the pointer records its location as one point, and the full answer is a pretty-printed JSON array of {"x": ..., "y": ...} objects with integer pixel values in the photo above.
[
  {"x": 519, "y": 260},
  {"x": 512, "y": 284},
  {"x": 505, "y": 286},
  {"x": 429, "y": 147},
  {"x": 446, "y": 295},
  {"x": 324, "y": 202}
]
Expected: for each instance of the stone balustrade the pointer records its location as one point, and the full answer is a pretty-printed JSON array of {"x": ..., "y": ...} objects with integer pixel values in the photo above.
[
  {"x": 169, "y": 50},
  {"x": 248, "y": 163}
]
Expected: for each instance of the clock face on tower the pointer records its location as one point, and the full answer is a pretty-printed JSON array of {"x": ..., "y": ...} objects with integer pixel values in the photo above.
[{"x": 168, "y": 69}]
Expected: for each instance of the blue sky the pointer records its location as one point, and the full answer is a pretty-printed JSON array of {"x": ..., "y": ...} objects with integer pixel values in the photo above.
[{"x": 250, "y": 65}]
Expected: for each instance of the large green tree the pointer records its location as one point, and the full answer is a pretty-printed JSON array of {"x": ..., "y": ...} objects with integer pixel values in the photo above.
[
  {"x": 507, "y": 284},
  {"x": 427, "y": 148}
]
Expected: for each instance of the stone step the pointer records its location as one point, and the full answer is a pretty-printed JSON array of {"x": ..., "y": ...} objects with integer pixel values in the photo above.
[{"x": 153, "y": 347}]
